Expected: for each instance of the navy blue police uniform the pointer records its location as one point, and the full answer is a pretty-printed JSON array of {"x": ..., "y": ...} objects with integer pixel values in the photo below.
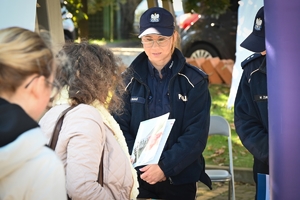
[
  {"x": 251, "y": 112},
  {"x": 186, "y": 96}
]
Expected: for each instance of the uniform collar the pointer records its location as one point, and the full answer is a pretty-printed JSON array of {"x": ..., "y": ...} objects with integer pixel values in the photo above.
[
  {"x": 140, "y": 64},
  {"x": 263, "y": 66},
  {"x": 165, "y": 70}
]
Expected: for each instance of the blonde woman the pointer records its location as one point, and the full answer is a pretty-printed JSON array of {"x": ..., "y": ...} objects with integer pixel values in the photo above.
[
  {"x": 89, "y": 129},
  {"x": 159, "y": 81},
  {"x": 28, "y": 169}
]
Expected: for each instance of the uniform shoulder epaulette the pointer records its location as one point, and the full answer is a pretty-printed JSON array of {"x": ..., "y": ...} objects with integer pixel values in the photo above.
[
  {"x": 250, "y": 58},
  {"x": 196, "y": 69}
]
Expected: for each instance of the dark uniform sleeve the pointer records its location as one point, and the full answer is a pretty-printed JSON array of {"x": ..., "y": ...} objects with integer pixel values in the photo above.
[
  {"x": 195, "y": 126},
  {"x": 124, "y": 120},
  {"x": 247, "y": 120}
]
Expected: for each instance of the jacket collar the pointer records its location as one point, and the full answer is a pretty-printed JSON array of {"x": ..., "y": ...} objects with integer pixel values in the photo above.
[
  {"x": 13, "y": 122},
  {"x": 263, "y": 66},
  {"x": 139, "y": 66}
]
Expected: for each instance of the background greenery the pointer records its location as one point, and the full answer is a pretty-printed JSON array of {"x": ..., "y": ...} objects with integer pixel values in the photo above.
[
  {"x": 216, "y": 152},
  {"x": 117, "y": 17}
]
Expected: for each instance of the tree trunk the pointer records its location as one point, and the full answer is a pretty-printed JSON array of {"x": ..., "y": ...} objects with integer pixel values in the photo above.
[
  {"x": 83, "y": 25},
  {"x": 127, "y": 12}
]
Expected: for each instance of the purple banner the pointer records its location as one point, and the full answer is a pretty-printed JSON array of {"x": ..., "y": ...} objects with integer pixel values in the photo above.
[{"x": 283, "y": 72}]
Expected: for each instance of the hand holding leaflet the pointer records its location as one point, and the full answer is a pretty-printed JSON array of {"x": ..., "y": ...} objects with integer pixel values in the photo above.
[{"x": 150, "y": 140}]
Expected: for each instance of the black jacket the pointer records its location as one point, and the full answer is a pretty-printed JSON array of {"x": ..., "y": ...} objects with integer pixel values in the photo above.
[
  {"x": 14, "y": 121},
  {"x": 251, "y": 108},
  {"x": 181, "y": 161}
]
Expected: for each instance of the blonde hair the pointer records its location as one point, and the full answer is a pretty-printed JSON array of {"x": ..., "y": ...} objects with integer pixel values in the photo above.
[
  {"x": 22, "y": 53},
  {"x": 175, "y": 41}
]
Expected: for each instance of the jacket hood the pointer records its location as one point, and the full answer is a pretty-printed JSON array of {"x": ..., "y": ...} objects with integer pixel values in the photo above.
[
  {"x": 21, "y": 137},
  {"x": 21, "y": 150}
]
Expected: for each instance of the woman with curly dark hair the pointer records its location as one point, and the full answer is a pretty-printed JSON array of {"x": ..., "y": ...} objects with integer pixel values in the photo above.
[{"x": 89, "y": 129}]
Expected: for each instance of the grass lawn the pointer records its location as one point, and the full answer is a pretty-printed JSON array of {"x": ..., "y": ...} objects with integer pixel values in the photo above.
[{"x": 216, "y": 152}]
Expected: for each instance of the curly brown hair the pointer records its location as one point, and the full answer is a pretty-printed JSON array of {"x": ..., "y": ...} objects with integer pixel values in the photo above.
[{"x": 95, "y": 75}]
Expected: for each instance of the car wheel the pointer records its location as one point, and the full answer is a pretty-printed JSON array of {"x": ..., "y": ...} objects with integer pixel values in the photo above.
[{"x": 202, "y": 51}]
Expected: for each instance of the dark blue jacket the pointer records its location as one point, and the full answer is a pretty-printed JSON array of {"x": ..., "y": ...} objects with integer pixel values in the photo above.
[
  {"x": 251, "y": 108},
  {"x": 181, "y": 161}
]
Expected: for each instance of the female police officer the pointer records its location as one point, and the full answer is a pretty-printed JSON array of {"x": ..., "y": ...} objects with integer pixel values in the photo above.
[{"x": 160, "y": 81}]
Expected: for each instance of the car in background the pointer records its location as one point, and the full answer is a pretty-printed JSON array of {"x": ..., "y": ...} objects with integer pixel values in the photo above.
[{"x": 209, "y": 35}]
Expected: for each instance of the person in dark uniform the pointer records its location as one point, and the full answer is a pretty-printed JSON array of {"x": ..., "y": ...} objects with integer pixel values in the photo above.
[
  {"x": 251, "y": 103},
  {"x": 159, "y": 81}
]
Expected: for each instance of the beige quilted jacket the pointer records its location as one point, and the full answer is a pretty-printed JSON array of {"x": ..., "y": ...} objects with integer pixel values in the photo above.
[{"x": 80, "y": 145}]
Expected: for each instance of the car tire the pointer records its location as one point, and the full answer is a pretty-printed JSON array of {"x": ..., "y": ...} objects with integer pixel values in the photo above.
[{"x": 202, "y": 51}]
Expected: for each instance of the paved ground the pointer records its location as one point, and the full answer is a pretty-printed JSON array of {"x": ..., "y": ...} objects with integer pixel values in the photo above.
[
  {"x": 126, "y": 54},
  {"x": 243, "y": 191}
]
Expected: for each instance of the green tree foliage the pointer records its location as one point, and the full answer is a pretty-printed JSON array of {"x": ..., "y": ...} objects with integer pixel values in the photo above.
[
  {"x": 76, "y": 7},
  {"x": 96, "y": 5},
  {"x": 206, "y": 6}
]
